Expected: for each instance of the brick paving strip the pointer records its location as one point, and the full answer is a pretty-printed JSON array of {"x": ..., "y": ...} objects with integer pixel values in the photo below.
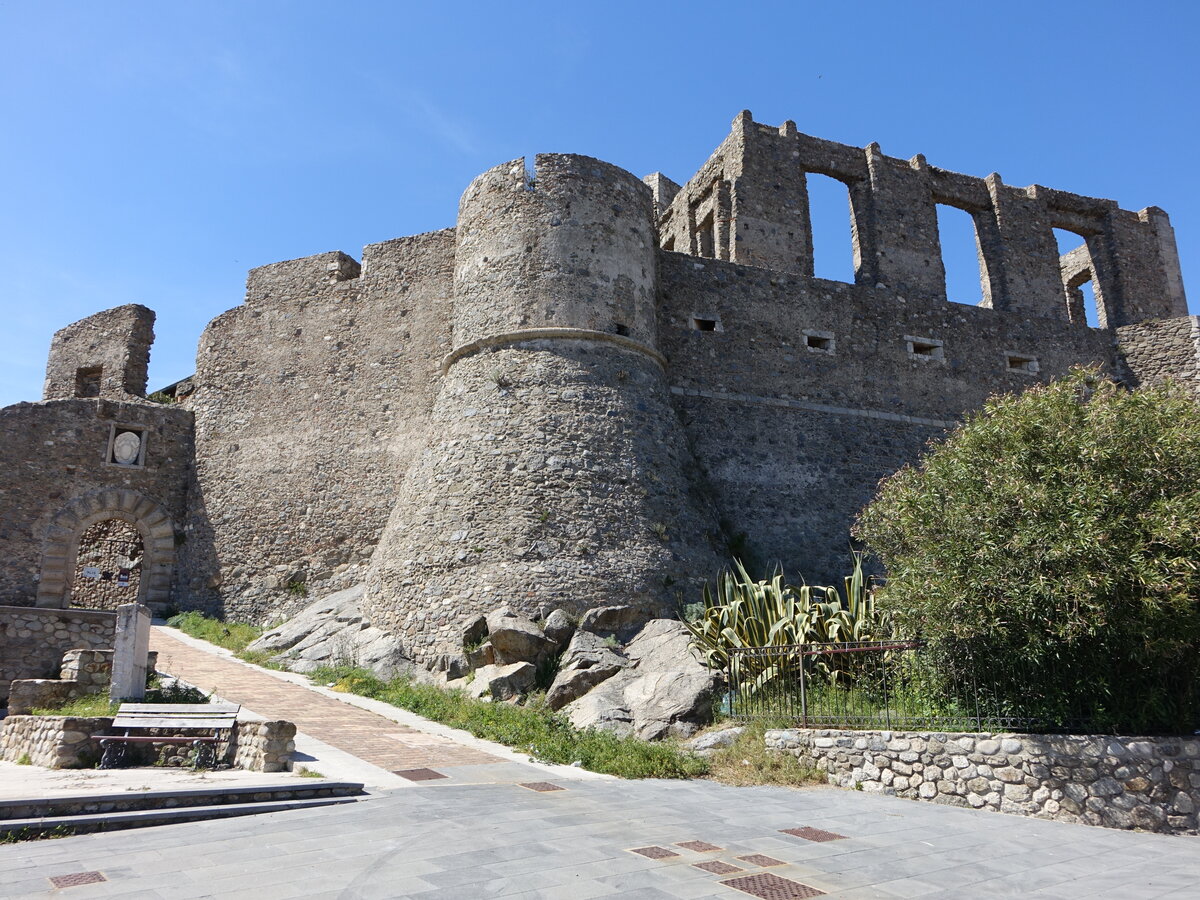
[{"x": 370, "y": 737}]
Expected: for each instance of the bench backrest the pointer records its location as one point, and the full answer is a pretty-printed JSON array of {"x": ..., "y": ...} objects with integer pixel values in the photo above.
[{"x": 191, "y": 716}]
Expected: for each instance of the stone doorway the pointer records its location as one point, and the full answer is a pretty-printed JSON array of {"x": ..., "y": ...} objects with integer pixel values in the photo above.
[{"x": 108, "y": 566}]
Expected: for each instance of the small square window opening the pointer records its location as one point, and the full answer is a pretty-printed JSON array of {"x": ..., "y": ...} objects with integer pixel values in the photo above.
[
  {"x": 924, "y": 348},
  {"x": 820, "y": 341},
  {"x": 87, "y": 381},
  {"x": 1026, "y": 365},
  {"x": 702, "y": 324}
]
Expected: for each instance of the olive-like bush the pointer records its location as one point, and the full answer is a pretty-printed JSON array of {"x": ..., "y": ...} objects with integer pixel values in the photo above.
[{"x": 1052, "y": 545}]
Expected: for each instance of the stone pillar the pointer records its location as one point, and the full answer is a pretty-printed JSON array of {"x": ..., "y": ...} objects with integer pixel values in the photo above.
[
  {"x": 130, "y": 647},
  {"x": 1142, "y": 288},
  {"x": 903, "y": 225},
  {"x": 1168, "y": 257},
  {"x": 1028, "y": 279},
  {"x": 768, "y": 204}
]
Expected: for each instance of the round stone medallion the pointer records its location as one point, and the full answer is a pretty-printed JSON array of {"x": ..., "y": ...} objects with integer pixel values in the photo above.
[{"x": 126, "y": 448}]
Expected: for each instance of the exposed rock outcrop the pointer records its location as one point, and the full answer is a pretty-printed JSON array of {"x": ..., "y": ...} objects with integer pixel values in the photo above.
[
  {"x": 620, "y": 622},
  {"x": 707, "y": 744},
  {"x": 503, "y": 682},
  {"x": 664, "y": 690},
  {"x": 333, "y": 631},
  {"x": 588, "y": 660},
  {"x": 515, "y": 638}
]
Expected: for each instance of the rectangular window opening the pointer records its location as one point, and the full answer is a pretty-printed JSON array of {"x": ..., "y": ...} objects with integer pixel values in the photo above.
[
  {"x": 701, "y": 324},
  {"x": 706, "y": 238},
  {"x": 962, "y": 257},
  {"x": 87, "y": 381},
  {"x": 819, "y": 341},
  {"x": 1081, "y": 293},
  {"x": 924, "y": 348},
  {"x": 621, "y": 329},
  {"x": 1026, "y": 365},
  {"x": 831, "y": 223}
]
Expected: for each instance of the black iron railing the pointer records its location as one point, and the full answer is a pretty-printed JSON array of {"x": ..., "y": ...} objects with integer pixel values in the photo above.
[{"x": 907, "y": 686}]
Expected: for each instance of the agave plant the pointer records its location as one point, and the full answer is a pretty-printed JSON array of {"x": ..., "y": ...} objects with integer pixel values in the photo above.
[{"x": 742, "y": 612}]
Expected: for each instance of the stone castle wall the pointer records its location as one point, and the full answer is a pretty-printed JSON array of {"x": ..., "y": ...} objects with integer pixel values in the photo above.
[
  {"x": 793, "y": 438},
  {"x": 1152, "y": 783},
  {"x": 592, "y": 390},
  {"x": 310, "y": 401},
  {"x": 1161, "y": 348}
]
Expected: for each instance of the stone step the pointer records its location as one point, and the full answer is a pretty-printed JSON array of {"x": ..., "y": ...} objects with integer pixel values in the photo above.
[
  {"x": 132, "y": 801},
  {"x": 143, "y": 818}
]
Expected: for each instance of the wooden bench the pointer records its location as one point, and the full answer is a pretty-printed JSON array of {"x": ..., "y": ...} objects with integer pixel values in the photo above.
[{"x": 183, "y": 720}]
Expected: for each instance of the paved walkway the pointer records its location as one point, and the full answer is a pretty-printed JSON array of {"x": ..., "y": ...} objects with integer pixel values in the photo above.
[
  {"x": 571, "y": 838},
  {"x": 368, "y": 736},
  {"x": 501, "y": 840}
]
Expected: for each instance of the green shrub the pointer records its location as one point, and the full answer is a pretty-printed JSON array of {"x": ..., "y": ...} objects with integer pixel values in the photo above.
[
  {"x": 1049, "y": 548},
  {"x": 173, "y": 692},
  {"x": 230, "y": 635},
  {"x": 533, "y": 729}
]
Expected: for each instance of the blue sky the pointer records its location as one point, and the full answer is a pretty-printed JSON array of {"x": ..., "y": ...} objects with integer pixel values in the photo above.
[{"x": 154, "y": 151}]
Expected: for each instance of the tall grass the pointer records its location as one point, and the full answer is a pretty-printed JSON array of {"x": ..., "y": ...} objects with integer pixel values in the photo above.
[{"x": 230, "y": 635}]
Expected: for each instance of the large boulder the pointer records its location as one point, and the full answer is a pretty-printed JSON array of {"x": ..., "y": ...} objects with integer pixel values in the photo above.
[
  {"x": 620, "y": 622},
  {"x": 517, "y": 639},
  {"x": 665, "y": 690},
  {"x": 559, "y": 628},
  {"x": 503, "y": 682},
  {"x": 588, "y": 660}
]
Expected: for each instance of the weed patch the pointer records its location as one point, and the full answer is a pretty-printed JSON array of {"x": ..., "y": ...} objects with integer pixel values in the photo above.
[
  {"x": 533, "y": 728},
  {"x": 230, "y": 635},
  {"x": 87, "y": 706},
  {"x": 748, "y": 761}
]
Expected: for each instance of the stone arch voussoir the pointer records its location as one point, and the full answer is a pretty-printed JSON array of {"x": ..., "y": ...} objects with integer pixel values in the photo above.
[{"x": 60, "y": 543}]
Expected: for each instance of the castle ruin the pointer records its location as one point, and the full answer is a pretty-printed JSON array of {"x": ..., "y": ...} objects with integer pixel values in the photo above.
[{"x": 593, "y": 390}]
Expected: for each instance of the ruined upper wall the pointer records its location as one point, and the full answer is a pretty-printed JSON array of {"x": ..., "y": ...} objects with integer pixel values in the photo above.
[
  {"x": 104, "y": 355},
  {"x": 749, "y": 204}
]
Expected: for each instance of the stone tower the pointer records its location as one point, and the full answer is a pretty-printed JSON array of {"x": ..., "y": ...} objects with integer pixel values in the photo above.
[{"x": 556, "y": 472}]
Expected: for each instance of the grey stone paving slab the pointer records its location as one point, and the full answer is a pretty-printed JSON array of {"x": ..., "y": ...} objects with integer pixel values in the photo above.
[{"x": 498, "y": 840}]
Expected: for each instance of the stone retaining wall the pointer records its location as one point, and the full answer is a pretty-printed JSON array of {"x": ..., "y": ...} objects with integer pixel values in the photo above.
[
  {"x": 265, "y": 746},
  {"x": 33, "y": 641},
  {"x": 1118, "y": 782},
  {"x": 62, "y": 742},
  {"x": 56, "y": 742},
  {"x": 83, "y": 672}
]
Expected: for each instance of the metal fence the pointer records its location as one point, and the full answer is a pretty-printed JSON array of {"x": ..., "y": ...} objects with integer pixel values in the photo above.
[{"x": 895, "y": 685}]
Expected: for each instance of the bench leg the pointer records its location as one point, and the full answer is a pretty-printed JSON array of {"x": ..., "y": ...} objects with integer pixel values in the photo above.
[
  {"x": 113, "y": 755},
  {"x": 203, "y": 756}
]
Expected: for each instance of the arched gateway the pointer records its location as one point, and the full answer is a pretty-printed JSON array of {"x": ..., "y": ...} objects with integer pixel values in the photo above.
[{"x": 119, "y": 533}]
